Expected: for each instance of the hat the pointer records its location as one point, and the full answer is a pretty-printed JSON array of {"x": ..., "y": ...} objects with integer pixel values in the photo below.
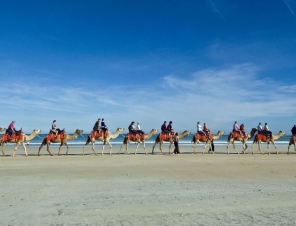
[
  {"x": 99, "y": 119},
  {"x": 138, "y": 122},
  {"x": 13, "y": 122}
]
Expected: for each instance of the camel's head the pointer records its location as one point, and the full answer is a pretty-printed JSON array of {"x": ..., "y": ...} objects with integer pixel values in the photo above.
[
  {"x": 282, "y": 133},
  {"x": 185, "y": 133},
  {"x": 119, "y": 129},
  {"x": 36, "y": 131},
  {"x": 2, "y": 129},
  {"x": 154, "y": 131},
  {"x": 79, "y": 131},
  {"x": 220, "y": 133}
]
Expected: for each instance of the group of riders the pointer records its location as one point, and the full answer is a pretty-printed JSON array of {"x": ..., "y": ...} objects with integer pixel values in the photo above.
[{"x": 165, "y": 129}]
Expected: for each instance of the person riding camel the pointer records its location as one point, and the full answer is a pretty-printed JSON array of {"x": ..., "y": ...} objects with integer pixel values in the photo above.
[
  {"x": 104, "y": 127},
  {"x": 236, "y": 128},
  {"x": 259, "y": 128},
  {"x": 139, "y": 131},
  {"x": 131, "y": 129},
  {"x": 266, "y": 130},
  {"x": 11, "y": 130},
  {"x": 199, "y": 129},
  {"x": 242, "y": 129},
  {"x": 170, "y": 128},
  {"x": 54, "y": 128},
  {"x": 97, "y": 126},
  {"x": 164, "y": 128},
  {"x": 206, "y": 130},
  {"x": 293, "y": 130}
]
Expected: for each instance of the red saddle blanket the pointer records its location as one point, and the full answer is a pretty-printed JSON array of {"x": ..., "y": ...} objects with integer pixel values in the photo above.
[
  {"x": 52, "y": 136},
  {"x": 165, "y": 136},
  {"x": 261, "y": 136},
  {"x": 6, "y": 137},
  {"x": 96, "y": 134},
  {"x": 238, "y": 135},
  {"x": 132, "y": 136},
  {"x": 203, "y": 137}
]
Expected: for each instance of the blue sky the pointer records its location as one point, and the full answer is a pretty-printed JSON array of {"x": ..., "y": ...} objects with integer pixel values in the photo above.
[{"x": 211, "y": 61}]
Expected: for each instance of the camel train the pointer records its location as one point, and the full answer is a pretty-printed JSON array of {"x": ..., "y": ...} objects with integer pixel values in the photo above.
[{"x": 20, "y": 138}]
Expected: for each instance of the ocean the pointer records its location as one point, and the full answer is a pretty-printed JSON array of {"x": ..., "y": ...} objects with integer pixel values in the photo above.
[{"x": 81, "y": 139}]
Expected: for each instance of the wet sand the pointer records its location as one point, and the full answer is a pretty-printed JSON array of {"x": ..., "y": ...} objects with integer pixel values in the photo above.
[{"x": 149, "y": 189}]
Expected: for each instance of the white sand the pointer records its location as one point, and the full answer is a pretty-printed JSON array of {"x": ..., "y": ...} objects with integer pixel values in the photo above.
[{"x": 149, "y": 189}]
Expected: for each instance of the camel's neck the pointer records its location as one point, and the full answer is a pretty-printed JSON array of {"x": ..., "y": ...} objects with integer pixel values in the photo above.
[
  {"x": 275, "y": 137},
  {"x": 184, "y": 134},
  {"x": 149, "y": 135},
  {"x": 114, "y": 135},
  {"x": 251, "y": 134},
  {"x": 217, "y": 136},
  {"x": 72, "y": 137},
  {"x": 30, "y": 137}
]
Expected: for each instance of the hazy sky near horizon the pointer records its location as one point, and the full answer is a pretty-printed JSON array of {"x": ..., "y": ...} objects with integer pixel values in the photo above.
[{"x": 211, "y": 61}]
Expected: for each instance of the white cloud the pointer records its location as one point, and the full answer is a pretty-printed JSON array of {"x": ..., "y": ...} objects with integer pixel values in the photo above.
[{"x": 217, "y": 96}]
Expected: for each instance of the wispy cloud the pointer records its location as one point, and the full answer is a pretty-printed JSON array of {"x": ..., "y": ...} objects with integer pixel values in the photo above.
[
  {"x": 217, "y": 95},
  {"x": 288, "y": 4}
]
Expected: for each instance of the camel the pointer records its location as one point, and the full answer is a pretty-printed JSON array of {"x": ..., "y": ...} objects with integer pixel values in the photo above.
[
  {"x": 20, "y": 140},
  {"x": 2, "y": 129},
  {"x": 50, "y": 138},
  {"x": 142, "y": 139},
  {"x": 101, "y": 138},
  {"x": 292, "y": 141},
  {"x": 262, "y": 138},
  {"x": 205, "y": 140},
  {"x": 168, "y": 139},
  {"x": 231, "y": 139}
]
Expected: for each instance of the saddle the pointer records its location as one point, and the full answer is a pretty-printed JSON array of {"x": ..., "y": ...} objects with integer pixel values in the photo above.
[
  {"x": 199, "y": 136},
  {"x": 97, "y": 134},
  {"x": 61, "y": 135},
  {"x": 132, "y": 136},
  {"x": 238, "y": 135},
  {"x": 18, "y": 135},
  {"x": 261, "y": 136},
  {"x": 166, "y": 136}
]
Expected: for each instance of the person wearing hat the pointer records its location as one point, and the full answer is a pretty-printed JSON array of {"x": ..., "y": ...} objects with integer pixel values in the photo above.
[
  {"x": 104, "y": 127},
  {"x": 97, "y": 126},
  {"x": 236, "y": 128},
  {"x": 139, "y": 131},
  {"x": 131, "y": 128},
  {"x": 10, "y": 130}
]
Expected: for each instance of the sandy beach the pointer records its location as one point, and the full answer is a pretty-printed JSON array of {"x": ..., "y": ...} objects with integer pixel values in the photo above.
[{"x": 149, "y": 189}]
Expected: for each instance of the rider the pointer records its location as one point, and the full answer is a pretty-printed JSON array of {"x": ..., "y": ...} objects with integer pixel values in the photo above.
[
  {"x": 259, "y": 128},
  {"x": 206, "y": 130},
  {"x": 11, "y": 129},
  {"x": 236, "y": 128},
  {"x": 199, "y": 129},
  {"x": 104, "y": 127},
  {"x": 293, "y": 130},
  {"x": 170, "y": 128},
  {"x": 131, "y": 128},
  {"x": 139, "y": 131},
  {"x": 97, "y": 126},
  {"x": 266, "y": 130},
  {"x": 164, "y": 128},
  {"x": 242, "y": 129},
  {"x": 54, "y": 128}
]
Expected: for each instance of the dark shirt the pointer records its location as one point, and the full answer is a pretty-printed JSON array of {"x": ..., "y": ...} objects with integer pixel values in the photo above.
[
  {"x": 96, "y": 126},
  {"x": 163, "y": 127},
  {"x": 293, "y": 130},
  {"x": 130, "y": 128},
  {"x": 103, "y": 125},
  {"x": 169, "y": 128}
]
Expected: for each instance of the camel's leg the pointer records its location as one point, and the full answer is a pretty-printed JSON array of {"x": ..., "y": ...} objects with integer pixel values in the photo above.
[
  {"x": 126, "y": 147},
  {"x": 87, "y": 142},
  {"x": 138, "y": 143},
  {"x": 120, "y": 148},
  {"x": 144, "y": 147},
  {"x": 234, "y": 147},
  {"x": 24, "y": 146},
  {"x": 160, "y": 147},
  {"x": 259, "y": 145},
  {"x": 60, "y": 148},
  {"x": 203, "y": 151},
  {"x": 93, "y": 145},
  {"x": 275, "y": 147},
  {"x": 194, "y": 146},
  {"x": 67, "y": 147},
  {"x": 288, "y": 149},
  {"x": 253, "y": 147},
  {"x": 228, "y": 147},
  {"x": 170, "y": 147},
  {"x": 40, "y": 148},
  {"x": 154, "y": 147},
  {"x": 2, "y": 149},
  {"x": 14, "y": 150}
]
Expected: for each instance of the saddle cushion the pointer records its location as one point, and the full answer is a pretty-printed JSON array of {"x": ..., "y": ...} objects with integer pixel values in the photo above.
[
  {"x": 261, "y": 136},
  {"x": 237, "y": 135},
  {"x": 132, "y": 136},
  {"x": 165, "y": 136},
  {"x": 6, "y": 137},
  {"x": 97, "y": 134},
  {"x": 198, "y": 136},
  {"x": 52, "y": 136}
]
